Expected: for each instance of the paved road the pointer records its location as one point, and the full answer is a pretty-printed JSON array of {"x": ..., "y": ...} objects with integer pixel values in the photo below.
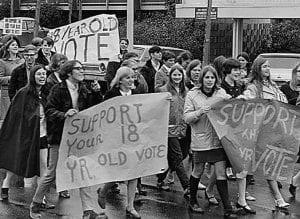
[{"x": 156, "y": 204}]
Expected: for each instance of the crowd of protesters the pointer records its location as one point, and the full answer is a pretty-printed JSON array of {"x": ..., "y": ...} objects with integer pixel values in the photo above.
[{"x": 40, "y": 88}]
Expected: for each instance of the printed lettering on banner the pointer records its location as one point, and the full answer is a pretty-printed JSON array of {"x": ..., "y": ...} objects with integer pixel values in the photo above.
[
  {"x": 90, "y": 40},
  {"x": 260, "y": 136},
  {"x": 120, "y": 139}
]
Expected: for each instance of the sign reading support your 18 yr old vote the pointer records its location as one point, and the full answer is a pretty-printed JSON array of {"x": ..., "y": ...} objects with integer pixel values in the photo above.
[
  {"x": 119, "y": 139},
  {"x": 260, "y": 136},
  {"x": 90, "y": 40}
]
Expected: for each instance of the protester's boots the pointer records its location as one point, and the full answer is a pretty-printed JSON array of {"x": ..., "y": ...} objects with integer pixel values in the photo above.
[
  {"x": 229, "y": 210},
  {"x": 35, "y": 210},
  {"x": 193, "y": 205}
]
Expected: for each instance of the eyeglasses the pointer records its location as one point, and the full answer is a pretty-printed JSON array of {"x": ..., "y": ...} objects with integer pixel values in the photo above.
[
  {"x": 78, "y": 68},
  {"x": 27, "y": 54}
]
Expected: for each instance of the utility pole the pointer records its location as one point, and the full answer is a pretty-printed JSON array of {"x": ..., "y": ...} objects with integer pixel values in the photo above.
[
  {"x": 130, "y": 23},
  {"x": 70, "y": 10},
  {"x": 12, "y": 8},
  {"x": 37, "y": 18},
  {"x": 206, "y": 47}
]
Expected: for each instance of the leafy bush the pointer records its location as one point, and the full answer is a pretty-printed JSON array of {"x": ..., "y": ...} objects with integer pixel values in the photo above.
[
  {"x": 160, "y": 28},
  {"x": 284, "y": 37}
]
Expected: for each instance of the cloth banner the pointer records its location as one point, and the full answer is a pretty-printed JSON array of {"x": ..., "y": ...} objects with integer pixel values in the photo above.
[
  {"x": 90, "y": 40},
  {"x": 119, "y": 139},
  {"x": 259, "y": 136}
]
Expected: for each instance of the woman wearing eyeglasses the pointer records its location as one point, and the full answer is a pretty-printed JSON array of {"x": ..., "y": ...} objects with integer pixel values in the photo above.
[{"x": 65, "y": 100}]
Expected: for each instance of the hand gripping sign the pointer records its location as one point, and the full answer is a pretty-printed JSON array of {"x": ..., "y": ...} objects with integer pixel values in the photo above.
[{"x": 120, "y": 139}]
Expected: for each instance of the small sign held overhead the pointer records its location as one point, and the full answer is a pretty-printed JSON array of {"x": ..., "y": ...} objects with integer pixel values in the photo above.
[
  {"x": 12, "y": 26},
  {"x": 201, "y": 13}
]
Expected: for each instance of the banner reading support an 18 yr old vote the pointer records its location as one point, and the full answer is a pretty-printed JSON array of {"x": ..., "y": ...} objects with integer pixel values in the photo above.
[
  {"x": 119, "y": 139},
  {"x": 260, "y": 136}
]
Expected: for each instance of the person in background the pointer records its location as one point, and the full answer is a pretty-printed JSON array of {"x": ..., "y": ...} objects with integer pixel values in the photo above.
[
  {"x": 291, "y": 90},
  {"x": 37, "y": 42},
  {"x": 192, "y": 74},
  {"x": 184, "y": 59},
  {"x": 231, "y": 71},
  {"x": 45, "y": 53},
  {"x": 113, "y": 66},
  {"x": 5, "y": 75},
  {"x": 124, "y": 42},
  {"x": 11, "y": 55},
  {"x": 23, "y": 134},
  {"x": 177, "y": 127},
  {"x": 151, "y": 67},
  {"x": 162, "y": 76},
  {"x": 20, "y": 75},
  {"x": 206, "y": 145},
  {"x": 17, "y": 79},
  {"x": 10, "y": 60},
  {"x": 244, "y": 60},
  {"x": 139, "y": 85},
  {"x": 65, "y": 100},
  {"x": 121, "y": 85},
  {"x": 218, "y": 65},
  {"x": 262, "y": 87},
  {"x": 57, "y": 60}
]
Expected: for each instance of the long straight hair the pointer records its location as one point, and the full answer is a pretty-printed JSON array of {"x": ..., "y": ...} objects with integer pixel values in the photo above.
[
  {"x": 294, "y": 81},
  {"x": 204, "y": 71},
  {"x": 171, "y": 84},
  {"x": 32, "y": 91}
]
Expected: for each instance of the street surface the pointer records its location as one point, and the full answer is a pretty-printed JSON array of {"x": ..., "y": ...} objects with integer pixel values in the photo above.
[{"x": 157, "y": 204}]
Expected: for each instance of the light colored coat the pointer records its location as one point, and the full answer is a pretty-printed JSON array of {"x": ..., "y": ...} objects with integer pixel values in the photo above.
[
  {"x": 271, "y": 92},
  {"x": 204, "y": 136}
]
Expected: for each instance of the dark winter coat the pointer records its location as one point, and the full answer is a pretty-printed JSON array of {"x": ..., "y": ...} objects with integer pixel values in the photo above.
[
  {"x": 41, "y": 59},
  {"x": 114, "y": 92},
  {"x": 148, "y": 71},
  {"x": 17, "y": 81},
  {"x": 20, "y": 136},
  {"x": 59, "y": 102}
]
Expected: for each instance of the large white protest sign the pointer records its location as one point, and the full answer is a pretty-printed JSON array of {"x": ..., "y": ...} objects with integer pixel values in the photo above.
[
  {"x": 90, "y": 40},
  {"x": 122, "y": 138}
]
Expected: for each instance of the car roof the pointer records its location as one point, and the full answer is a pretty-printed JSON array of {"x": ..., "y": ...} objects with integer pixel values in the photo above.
[
  {"x": 286, "y": 55},
  {"x": 163, "y": 47}
]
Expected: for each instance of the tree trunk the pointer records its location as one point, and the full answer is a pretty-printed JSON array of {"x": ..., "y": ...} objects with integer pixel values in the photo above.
[{"x": 37, "y": 18}]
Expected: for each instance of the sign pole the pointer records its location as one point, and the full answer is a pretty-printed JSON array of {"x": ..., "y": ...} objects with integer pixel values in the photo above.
[
  {"x": 206, "y": 47},
  {"x": 37, "y": 18},
  {"x": 130, "y": 23}
]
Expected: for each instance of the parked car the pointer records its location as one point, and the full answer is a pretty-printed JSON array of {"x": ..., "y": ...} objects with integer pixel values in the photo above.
[
  {"x": 94, "y": 71},
  {"x": 282, "y": 65}
]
